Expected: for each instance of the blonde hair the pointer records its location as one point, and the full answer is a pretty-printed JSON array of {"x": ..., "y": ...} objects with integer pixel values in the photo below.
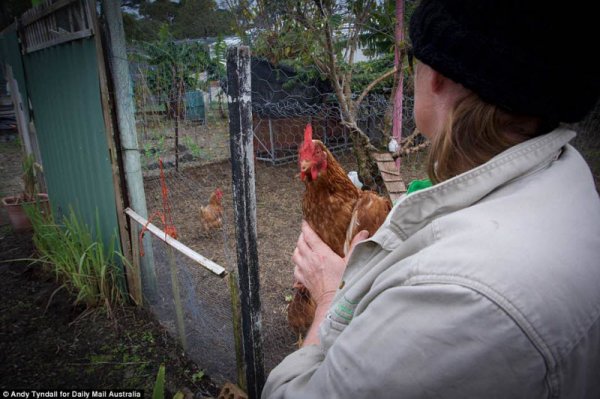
[{"x": 476, "y": 132}]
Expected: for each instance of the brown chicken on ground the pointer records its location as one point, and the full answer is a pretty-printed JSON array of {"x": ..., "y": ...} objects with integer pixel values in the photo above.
[{"x": 211, "y": 215}]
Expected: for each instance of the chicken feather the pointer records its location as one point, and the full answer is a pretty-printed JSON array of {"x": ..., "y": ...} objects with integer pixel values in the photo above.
[
  {"x": 211, "y": 215},
  {"x": 335, "y": 209}
]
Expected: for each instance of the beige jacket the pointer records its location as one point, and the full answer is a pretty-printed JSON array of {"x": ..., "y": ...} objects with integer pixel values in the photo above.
[{"x": 484, "y": 286}]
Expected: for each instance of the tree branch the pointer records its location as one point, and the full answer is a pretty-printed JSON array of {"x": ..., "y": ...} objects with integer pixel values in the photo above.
[{"x": 372, "y": 85}]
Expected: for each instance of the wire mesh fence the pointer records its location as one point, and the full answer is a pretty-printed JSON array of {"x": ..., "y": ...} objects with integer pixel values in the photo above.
[
  {"x": 185, "y": 129},
  {"x": 206, "y": 311},
  {"x": 196, "y": 160}
]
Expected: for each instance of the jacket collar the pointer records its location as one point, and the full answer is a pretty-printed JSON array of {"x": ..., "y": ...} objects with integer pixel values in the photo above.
[{"x": 416, "y": 210}]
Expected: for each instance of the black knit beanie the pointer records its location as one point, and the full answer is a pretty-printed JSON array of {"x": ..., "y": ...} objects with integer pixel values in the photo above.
[{"x": 530, "y": 57}]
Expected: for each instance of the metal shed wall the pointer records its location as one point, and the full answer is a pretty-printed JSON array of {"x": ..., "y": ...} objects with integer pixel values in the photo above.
[
  {"x": 10, "y": 54},
  {"x": 65, "y": 94}
]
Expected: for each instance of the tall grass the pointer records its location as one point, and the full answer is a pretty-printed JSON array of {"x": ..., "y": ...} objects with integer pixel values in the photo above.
[{"x": 80, "y": 260}]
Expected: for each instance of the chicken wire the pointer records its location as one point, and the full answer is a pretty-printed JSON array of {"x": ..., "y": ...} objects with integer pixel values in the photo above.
[
  {"x": 282, "y": 104},
  {"x": 276, "y": 188},
  {"x": 200, "y": 128},
  {"x": 207, "y": 312}
]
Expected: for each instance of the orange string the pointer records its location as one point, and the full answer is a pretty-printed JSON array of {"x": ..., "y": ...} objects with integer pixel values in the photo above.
[{"x": 165, "y": 215}]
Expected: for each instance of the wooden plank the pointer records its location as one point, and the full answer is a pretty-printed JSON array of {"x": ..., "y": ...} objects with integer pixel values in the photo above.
[
  {"x": 37, "y": 13},
  {"x": 110, "y": 142},
  {"x": 388, "y": 167},
  {"x": 63, "y": 38},
  {"x": 390, "y": 178},
  {"x": 121, "y": 105},
  {"x": 18, "y": 109},
  {"x": 237, "y": 329},
  {"x": 396, "y": 187},
  {"x": 190, "y": 253},
  {"x": 134, "y": 278},
  {"x": 382, "y": 156},
  {"x": 89, "y": 8}
]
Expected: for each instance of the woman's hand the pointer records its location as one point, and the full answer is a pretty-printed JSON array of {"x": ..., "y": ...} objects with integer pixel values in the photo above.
[{"x": 318, "y": 268}]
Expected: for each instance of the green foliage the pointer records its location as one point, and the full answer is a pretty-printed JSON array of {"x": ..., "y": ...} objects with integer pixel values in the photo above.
[
  {"x": 186, "y": 19},
  {"x": 293, "y": 32},
  {"x": 85, "y": 265},
  {"x": 217, "y": 68},
  {"x": 194, "y": 148},
  {"x": 198, "y": 376},
  {"x": 29, "y": 181},
  {"x": 140, "y": 29},
  {"x": 175, "y": 67},
  {"x": 363, "y": 73},
  {"x": 155, "y": 148},
  {"x": 159, "y": 386}
]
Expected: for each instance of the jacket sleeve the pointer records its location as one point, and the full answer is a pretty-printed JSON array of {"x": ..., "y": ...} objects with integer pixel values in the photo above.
[{"x": 423, "y": 341}]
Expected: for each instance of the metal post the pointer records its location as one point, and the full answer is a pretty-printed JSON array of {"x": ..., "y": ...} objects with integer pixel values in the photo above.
[
  {"x": 398, "y": 96},
  {"x": 121, "y": 80},
  {"x": 244, "y": 201},
  {"x": 272, "y": 141}
]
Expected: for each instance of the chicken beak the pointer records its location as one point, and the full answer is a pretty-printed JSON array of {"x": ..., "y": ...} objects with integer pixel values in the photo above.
[{"x": 305, "y": 166}]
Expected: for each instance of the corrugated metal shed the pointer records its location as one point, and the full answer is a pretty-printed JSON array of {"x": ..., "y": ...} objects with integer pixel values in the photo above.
[
  {"x": 11, "y": 54},
  {"x": 64, "y": 87}
]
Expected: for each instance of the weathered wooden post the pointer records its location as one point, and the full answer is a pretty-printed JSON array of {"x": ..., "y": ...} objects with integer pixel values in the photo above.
[
  {"x": 123, "y": 98},
  {"x": 244, "y": 200}
]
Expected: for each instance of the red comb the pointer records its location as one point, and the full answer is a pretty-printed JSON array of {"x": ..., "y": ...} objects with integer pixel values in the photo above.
[
  {"x": 308, "y": 132},
  {"x": 308, "y": 146}
]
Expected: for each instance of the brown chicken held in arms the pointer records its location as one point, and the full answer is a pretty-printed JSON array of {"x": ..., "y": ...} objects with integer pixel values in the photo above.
[
  {"x": 211, "y": 215},
  {"x": 335, "y": 209}
]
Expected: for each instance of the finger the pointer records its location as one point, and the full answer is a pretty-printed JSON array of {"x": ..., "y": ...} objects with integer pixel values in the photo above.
[
  {"x": 310, "y": 237},
  {"x": 296, "y": 256},
  {"x": 302, "y": 246},
  {"x": 298, "y": 276}
]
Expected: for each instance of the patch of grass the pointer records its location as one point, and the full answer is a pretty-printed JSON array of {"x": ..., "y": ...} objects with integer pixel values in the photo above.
[
  {"x": 80, "y": 260},
  {"x": 10, "y": 147},
  {"x": 198, "y": 376},
  {"x": 194, "y": 148}
]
